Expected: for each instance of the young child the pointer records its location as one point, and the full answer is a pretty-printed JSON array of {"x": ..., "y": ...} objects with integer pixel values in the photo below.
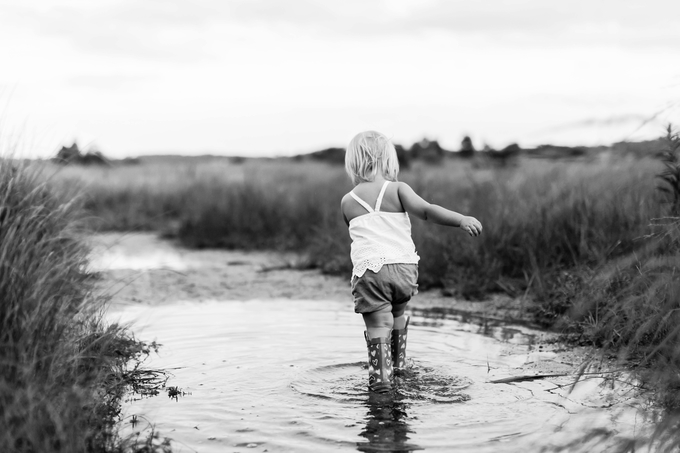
[{"x": 385, "y": 273}]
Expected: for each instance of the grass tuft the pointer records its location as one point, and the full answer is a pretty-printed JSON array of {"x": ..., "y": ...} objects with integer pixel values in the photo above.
[
  {"x": 63, "y": 371},
  {"x": 670, "y": 175}
]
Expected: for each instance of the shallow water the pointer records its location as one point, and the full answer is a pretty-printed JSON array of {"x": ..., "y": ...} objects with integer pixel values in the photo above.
[{"x": 283, "y": 375}]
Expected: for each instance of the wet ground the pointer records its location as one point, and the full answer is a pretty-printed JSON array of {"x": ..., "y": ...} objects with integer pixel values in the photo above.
[{"x": 277, "y": 364}]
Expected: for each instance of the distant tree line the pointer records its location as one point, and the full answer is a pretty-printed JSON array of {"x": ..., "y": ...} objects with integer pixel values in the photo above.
[
  {"x": 432, "y": 152},
  {"x": 424, "y": 150},
  {"x": 72, "y": 155}
]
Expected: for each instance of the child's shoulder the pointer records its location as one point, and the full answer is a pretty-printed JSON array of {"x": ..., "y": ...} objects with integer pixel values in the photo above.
[
  {"x": 400, "y": 185},
  {"x": 345, "y": 200},
  {"x": 397, "y": 186}
]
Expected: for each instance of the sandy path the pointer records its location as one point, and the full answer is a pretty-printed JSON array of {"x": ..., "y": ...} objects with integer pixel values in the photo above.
[{"x": 141, "y": 268}]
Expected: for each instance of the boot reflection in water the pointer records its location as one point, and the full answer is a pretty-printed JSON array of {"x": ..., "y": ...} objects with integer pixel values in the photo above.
[{"x": 386, "y": 428}]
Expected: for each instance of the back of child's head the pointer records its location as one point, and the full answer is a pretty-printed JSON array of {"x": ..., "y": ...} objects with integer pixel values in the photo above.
[{"x": 368, "y": 154}]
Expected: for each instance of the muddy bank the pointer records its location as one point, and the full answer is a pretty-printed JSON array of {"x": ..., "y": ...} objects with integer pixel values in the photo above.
[{"x": 141, "y": 268}]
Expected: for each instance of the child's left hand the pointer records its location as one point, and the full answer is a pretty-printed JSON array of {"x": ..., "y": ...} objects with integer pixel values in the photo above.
[{"x": 471, "y": 225}]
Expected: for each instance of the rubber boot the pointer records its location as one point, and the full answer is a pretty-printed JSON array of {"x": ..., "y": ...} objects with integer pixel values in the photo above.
[
  {"x": 399, "y": 337},
  {"x": 379, "y": 364}
]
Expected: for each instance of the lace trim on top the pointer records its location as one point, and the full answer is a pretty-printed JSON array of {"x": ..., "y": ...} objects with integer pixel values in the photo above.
[{"x": 375, "y": 264}]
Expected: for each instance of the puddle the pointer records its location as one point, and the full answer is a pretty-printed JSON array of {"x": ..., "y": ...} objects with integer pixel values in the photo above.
[
  {"x": 136, "y": 252},
  {"x": 281, "y": 375},
  {"x": 278, "y": 374}
]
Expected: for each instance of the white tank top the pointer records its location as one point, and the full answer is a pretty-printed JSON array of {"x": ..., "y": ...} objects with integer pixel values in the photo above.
[{"x": 380, "y": 237}]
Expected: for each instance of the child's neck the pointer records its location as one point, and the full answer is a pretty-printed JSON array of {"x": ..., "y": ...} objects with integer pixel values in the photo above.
[{"x": 379, "y": 179}]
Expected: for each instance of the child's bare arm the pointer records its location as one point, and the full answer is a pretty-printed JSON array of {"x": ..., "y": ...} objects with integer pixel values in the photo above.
[
  {"x": 343, "y": 202},
  {"x": 416, "y": 206}
]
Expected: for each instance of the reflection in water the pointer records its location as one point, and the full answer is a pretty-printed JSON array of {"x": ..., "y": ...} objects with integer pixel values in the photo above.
[{"x": 387, "y": 427}]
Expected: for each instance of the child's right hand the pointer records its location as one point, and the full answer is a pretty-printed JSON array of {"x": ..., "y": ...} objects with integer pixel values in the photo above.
[{"x": 471, "y": 225}]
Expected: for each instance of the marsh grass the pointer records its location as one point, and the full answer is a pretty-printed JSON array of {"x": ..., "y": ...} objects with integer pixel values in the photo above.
[
  {"x": 63, "y": 370},
  {"x": 548, "y": 224},
  {"x": 631, "y": 303},
  {"x": 630, "y": 308},
  {"x": 540, "y": 222},
  {"x": 544, "y": 221},
  {"x": 670, "y": 175}
]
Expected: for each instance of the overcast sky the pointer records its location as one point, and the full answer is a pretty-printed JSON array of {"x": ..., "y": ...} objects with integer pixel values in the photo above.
[{"x": 274, "y": 77}]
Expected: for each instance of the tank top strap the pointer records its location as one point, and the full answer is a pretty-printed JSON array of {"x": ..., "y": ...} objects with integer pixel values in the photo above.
[
  {"x": 361, "y": 202},
  {"x": 380, "y": 196}
]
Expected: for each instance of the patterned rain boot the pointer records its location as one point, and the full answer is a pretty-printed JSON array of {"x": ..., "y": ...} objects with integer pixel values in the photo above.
[
  {"x": 399, "y": 337},
  {"x": 379, "y": 364}
]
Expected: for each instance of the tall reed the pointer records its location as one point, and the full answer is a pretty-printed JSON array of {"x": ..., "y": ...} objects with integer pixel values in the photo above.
[{"x": 62, "y": 369}]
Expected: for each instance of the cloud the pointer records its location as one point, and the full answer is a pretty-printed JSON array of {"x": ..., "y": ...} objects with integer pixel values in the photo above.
[
  {"x": 104, "y": 82},
  {"x": 145, "y": 30},
  {"x": 614, "y": 120},
  {"x": 538, "y": 22},
  {"x": 177, "y": 29}
]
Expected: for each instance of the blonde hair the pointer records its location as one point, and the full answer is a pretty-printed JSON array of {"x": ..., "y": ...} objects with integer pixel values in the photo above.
[{"x": 367, "y": 154}]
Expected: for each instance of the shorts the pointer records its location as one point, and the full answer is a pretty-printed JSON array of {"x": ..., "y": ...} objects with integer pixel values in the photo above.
[{"x": 394, "y": 284}]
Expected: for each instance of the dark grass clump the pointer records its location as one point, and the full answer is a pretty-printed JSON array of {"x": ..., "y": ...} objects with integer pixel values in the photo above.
[
  {"x": 540, "y": 224},
  {"x": 631, "y": 304},
  {"x": 670, "y": 175},
  {"x": 631, "y": 309},
  {"x": 62, "y": 370},
  {"x": 258, "y": 214}
]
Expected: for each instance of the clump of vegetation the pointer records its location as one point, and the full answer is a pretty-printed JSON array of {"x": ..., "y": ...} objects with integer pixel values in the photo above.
[
  {"x": 631, "y": 304},
  {"x": 68, "y": 155},
  {"x": 670, "y": 176},
  {"x": 63, "y": 371}
]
